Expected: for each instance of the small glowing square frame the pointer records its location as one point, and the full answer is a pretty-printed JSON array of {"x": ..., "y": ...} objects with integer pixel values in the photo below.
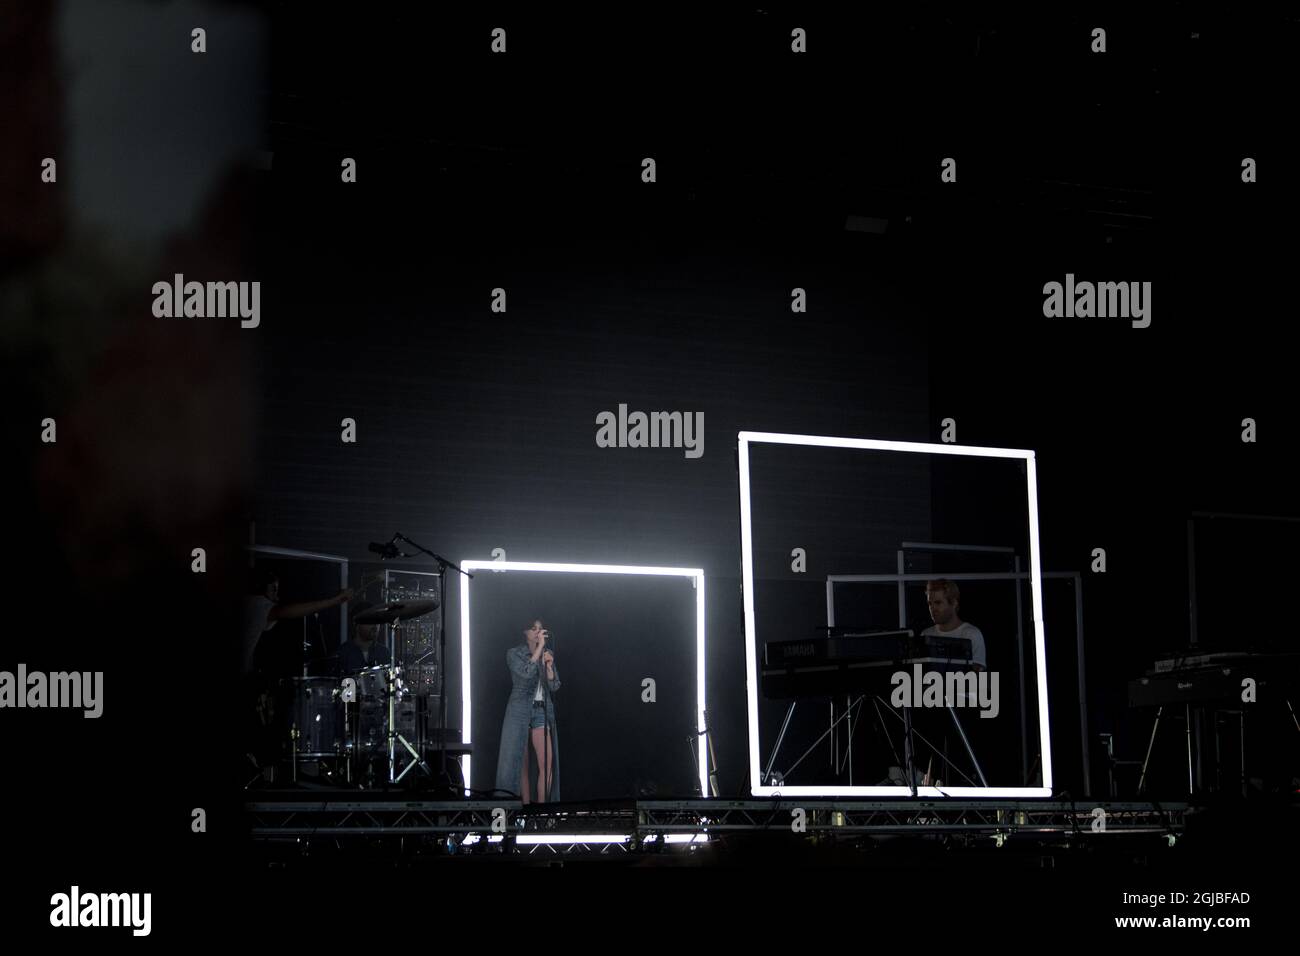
[
  {"x": 697, "y": 576},
  {"x": 745, "y": 439}
]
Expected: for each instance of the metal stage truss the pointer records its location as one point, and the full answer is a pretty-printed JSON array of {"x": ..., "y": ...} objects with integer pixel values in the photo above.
[{"x": 639, "y": 826}]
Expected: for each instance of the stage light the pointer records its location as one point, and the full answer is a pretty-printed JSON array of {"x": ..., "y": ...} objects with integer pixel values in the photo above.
[
  {"x": 757, "y": 788},
  {"x": 655, "y": 844},
  {"x": 697, "y": 577},
  {"x": 549, "y": 839},
  {"x": 473, "y": 838}
]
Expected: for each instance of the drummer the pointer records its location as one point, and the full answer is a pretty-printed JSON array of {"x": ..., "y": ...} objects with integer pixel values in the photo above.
[{"x": 366, "y": 647}]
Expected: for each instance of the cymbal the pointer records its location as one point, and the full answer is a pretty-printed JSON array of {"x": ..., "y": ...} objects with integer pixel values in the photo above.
[{"x": 397, "y": 611}]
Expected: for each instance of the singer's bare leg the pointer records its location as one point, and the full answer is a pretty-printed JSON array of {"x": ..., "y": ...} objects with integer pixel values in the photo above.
[
  {"x": 542, "y": 748},
  {"x": 523, "y": 778}
]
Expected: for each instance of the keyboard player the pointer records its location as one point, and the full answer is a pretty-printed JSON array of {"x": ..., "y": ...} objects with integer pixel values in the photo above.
[{"x": 942, "y": 597}]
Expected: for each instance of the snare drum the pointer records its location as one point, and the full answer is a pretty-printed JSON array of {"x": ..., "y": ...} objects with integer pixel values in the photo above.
[{"x": 372, "y": 708}]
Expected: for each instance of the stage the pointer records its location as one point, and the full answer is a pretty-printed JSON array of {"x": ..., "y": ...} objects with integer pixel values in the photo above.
[{"x": 285, "y": 823}]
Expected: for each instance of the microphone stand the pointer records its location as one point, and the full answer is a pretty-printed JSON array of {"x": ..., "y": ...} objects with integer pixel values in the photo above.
[
  {"x": 443, "y": 565},
  {"x": 546, "y": 733}
]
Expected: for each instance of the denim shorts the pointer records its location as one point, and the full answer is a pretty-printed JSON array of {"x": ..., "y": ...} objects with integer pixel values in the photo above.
[{"x": 539, "y": 715}]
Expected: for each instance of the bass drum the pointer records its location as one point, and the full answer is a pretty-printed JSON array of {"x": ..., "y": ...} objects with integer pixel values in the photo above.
[{"x": 318, "y": 724}]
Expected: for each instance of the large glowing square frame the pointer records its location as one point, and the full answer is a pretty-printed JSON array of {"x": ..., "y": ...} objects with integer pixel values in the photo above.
[
  {"x": 745, "y": 439},
  {"x": 696, "y": 574}
]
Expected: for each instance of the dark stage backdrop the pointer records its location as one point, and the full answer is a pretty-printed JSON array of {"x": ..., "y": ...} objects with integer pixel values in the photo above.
[{"x": 477, "y": 431}]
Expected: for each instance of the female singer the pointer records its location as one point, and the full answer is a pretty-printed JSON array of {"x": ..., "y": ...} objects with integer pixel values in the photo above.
[{"x": 530, "y": 716}]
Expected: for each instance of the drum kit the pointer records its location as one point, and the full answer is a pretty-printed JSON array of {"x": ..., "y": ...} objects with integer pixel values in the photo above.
[
  {"x": 352, "y": 725},
  {"x": 365, "y": 717}
]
